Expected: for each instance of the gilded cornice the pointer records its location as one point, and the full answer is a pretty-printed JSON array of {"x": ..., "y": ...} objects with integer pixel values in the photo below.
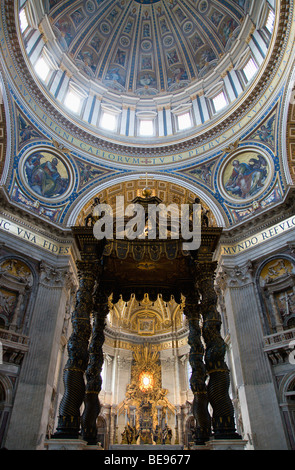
[{"x": 115, "y": 338}]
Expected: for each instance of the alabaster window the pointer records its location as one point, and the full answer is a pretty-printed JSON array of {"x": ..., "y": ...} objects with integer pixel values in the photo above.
[
  {"x": 189, "y": 373},
  {"x": 103, "y": 374}
]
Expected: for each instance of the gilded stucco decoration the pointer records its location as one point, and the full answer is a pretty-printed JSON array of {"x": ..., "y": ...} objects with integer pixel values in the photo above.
[
  {"x": 146, "y": 318},
  {"x": 16, "y": 285}
]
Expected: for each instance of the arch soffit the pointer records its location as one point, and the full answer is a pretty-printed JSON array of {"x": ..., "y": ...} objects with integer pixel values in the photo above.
[
  {"x": 8, "y": 389},
  {"x": 272, "y": 258},
  {"x": 284, "y": 385},
  {"x": 86, "y": 199}
]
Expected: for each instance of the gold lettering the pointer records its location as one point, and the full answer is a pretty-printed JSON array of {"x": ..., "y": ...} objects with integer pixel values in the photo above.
[{"x": 33, "y": 238}]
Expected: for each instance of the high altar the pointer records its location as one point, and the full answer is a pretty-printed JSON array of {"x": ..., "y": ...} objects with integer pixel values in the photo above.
[
  {"x": 110, "y": 270},
  {"x": 146, "y": 405}
]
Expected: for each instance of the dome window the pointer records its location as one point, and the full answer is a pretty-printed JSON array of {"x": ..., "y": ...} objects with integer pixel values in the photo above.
[
  {"x": 42, "y": 69},
  {"x": 250, "y": 69},
  {"x": 266, "y": 22},
  {"x": 73, "y": 101},
  {"x": 183, "y": 117},
  {"x": 219, "y": 101},
  {"x": 146, "y": 123},
  {"x": 74, "y": 98},
  {"x": 270, "y": 21},
  {"x": 45, "y": 65},
  {"x": 23, "y": 20},
  {"x": 146, "y": 127},
  {"x": 184, "y": 121},
  {"x": 27, "y": 17},
  {"x": 108, "y": 121},
  {"x": 109, "y": 117}
]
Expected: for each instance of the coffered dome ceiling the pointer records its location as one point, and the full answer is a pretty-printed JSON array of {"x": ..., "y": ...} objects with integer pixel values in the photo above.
[
  {"x": 149, "y": 47},
  {"x": 147, "y": 59}
]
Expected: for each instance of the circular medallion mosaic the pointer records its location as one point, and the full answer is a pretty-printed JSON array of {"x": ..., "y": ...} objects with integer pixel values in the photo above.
[
  {"x": 90, "y": 6},
  {"x": 246, "y": 175},
  {"x": 146, "y": 45},
  {"x": 47, "y": 175},
  {"x": 202, "y": 6},
  {"x": 124, "y": 41}
]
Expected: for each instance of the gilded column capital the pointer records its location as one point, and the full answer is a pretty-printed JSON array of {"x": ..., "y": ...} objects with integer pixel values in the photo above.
[{"x": 71, "y": 282}]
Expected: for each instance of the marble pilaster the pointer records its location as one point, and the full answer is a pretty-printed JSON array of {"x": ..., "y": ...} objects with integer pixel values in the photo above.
[
  {"x": 252, "y": 372},
  {"x": 78, "y": 354},
  {"x": 39, "y": 367}
]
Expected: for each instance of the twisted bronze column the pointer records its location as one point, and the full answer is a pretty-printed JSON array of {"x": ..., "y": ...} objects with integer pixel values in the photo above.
[
  {"x": 74, "y": 385},
  {"x": 198, "y": 376},
  {"x": 93, "y": 372},
  {"x": 219, "y": 381}
]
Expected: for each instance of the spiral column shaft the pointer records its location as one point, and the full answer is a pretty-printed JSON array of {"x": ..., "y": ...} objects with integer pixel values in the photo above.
[
  {"x": 198, "y": 376},
  {"x": 74, "y": 385},
  {"x": 93, "y": 372},
  {"x": 219, "y": 381}
]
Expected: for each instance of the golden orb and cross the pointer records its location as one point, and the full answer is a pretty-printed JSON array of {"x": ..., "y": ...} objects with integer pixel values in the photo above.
[{"x": 146, "y": 192}]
